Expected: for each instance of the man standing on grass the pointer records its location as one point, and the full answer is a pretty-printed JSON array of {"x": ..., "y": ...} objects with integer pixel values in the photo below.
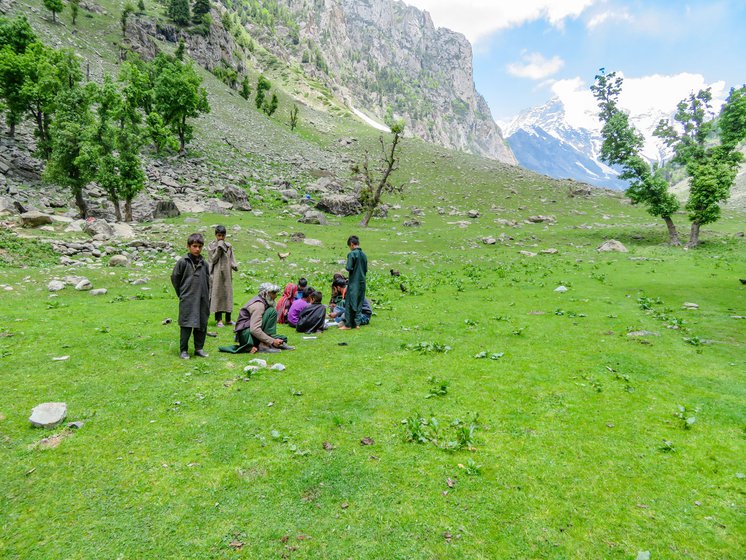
[{"x": 357, "y": 267}]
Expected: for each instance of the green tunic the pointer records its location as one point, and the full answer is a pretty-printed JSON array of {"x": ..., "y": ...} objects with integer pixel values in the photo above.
[
  {"x": 245, "y": 341},
  {"x": 357, "y": 266}
]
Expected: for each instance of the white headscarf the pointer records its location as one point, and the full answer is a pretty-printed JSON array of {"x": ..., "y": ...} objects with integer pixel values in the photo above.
[{"x": 266, "y": 288}]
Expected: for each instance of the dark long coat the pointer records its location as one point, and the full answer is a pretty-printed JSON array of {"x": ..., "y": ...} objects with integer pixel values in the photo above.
[{"x": 192, "y": 284}]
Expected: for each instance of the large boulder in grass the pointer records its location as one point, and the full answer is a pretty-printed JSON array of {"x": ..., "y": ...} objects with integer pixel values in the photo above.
[
  {"x": 35, "y": 219},
  {"x": 313, "y": 217},
  {"x": 237, "y": 197},
  {"x": 340, "y": 205},
  {"x": 165, "y": 209},
  {"x": 612, "y": 245},
  {"x": 48, "y": 415},
  {"x": 94, "y": 226},
  {"x": 7, "y": 207}
]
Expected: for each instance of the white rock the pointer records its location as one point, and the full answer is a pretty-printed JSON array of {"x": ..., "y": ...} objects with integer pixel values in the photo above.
[
  {"x": 312, "y": 242},
  {"x": 251, "y": 369},
  {"x": 118, "y": 260},
  {"x": 690, "y": 305},
  {"x": 99, "y": 292},
  {"x": 560, "y": 289},
  {"x": 124, "y": 231},
  {"x": 48, "y": 415},
  {"x": 612, "y": 245},
  {"x": 259, "y": 362},
  {"x": 84, "y": 285},
  {"x": 55, "y": 286},
  {"x": 278, "y": 367}
]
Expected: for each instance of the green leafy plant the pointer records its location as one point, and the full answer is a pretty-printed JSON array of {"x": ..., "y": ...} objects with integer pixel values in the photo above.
[{"x": 438, "y": 387}]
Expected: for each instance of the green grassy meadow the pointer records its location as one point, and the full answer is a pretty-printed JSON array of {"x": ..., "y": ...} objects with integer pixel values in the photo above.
[{"x": 564, "y": 441}]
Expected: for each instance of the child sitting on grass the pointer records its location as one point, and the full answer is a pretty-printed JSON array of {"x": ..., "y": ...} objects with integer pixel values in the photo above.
[
  {"x": 311, "y": 318},
  {"x": 298, "y": 306},
  {"x": 191, "y": 280}
]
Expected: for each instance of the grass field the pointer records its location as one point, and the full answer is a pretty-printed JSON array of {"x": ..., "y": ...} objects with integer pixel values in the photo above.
[
  {"x": 503, "y": 419},
  {"x": 566, "y": 440}
]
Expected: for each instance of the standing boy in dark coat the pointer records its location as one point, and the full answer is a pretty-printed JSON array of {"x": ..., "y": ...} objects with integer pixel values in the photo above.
[
  {"x": 357, "y": 266},
  {"x": 191, "y": 280}
]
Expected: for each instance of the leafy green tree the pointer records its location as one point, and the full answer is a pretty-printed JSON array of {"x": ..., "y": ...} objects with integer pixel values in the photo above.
[
  {"x": 262, "y": 87},
  {"x": 67, "y": 141},
  {"x": 711, "y": 163},
  {"x": 293, "y": 117},
  {"x": 179, "y": 96},
  {"x": 159, "y": 133},
  {"x": 377, "y": 182},
  {"x": 16, "y": 34},
  {"x": 138, "y": 78},
  {"x": 127, "y": 11},
  {"x": 140, "y": 7},
  {"x": 54, "y": 6},
  {"x": 180, "y": 51},
  {"x": 271, "y": 106},
  {"x": 178, "y": 11},
  {"x": 74, "y": 9},
  {"x": 99, "y": 150},
  {"x": 622, "y": 147},
  {"x": 245, "y": 90}
]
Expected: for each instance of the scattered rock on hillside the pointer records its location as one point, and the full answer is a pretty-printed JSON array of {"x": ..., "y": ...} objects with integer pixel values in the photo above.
[
  {"x": 237, "y": 197},
  {"x": 561, "y": 289},
  {"x": 99, "y": 292},
  {"x": 298, "y": 237},
  {"x": 612, "y": 245},
  {"x": 580, "y": 190},
  {"x": 339, "y": 204},
  {"x": 124, "y": 231},
  {"x": 528, "y": 254},
  {"x": 541, "y": 219},
  {"x": 690, "y": 305},
  {"x": 412, "y": 223},
  {"x": 7, "y": 206},
  {"x": 35, "y": 219},
  {"x": 473, "y": 213},
  {"x": 118, "y": 260},
  {"x": 313, "y": 217},
  {"x": 165, "y": 209},
  {"x": 48, "y": 415},
  {"x": 84, "y": 285},
  {"x": 550, "y": 251},
  {"x": 313, "y": 242},
  {"x": 636, "y": 334},
  {"x": 55, "y": 286},
  {"x": 489, "y": 240},
  {"x": 95, "y": 227}
]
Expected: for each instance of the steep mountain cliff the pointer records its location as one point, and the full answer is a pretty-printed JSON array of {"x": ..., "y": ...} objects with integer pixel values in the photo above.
[{"x": 387, "y": 59}]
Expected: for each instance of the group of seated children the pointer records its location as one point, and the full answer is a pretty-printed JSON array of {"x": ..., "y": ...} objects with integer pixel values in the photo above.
[{"x": 300, "y": 306}]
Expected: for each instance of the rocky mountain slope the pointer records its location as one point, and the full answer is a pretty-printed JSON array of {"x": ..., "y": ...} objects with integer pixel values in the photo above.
[{"x": 387, "y": 59}]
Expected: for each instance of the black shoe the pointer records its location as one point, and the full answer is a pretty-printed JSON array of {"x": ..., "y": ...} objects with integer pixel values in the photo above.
[
  {"x": 266, "y": 349},
  {"x": 286, "y": 346},
  {"x": 201, "y": 353},
  {"x": 184, "y": 355}
]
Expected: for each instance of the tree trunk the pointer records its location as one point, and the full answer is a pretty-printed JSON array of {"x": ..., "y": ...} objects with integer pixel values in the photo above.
[
  {"x": 694, "y": 236},
  {"x": 673, "y": 235},
  {"x": 12, "y": 131},
  {"x": 117, "y": 209},
  {"x": 81, "y": 203},
  {"x": 128, "y": 210},
  {"x": 366, "y": 219}
]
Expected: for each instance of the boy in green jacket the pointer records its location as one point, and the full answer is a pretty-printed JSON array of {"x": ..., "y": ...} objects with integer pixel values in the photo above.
[{"x": 357, "y": 267}]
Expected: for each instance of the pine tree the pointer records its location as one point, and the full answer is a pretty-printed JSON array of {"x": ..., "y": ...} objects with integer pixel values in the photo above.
[
  {"x": 199, "y": 9},
  {"x": 178, "y": 11}
]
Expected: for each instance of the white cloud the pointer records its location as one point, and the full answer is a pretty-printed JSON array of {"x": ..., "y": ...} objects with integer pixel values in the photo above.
[
  {"x": 479, "y": 18},
  {"x": 647, "y": 95},
  {"x": 535, "y": 66},
  {"x": 608, "y": 16}
]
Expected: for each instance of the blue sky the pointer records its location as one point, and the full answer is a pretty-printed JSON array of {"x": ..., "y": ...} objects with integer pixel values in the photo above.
[{"x": 527, "y": 51}]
